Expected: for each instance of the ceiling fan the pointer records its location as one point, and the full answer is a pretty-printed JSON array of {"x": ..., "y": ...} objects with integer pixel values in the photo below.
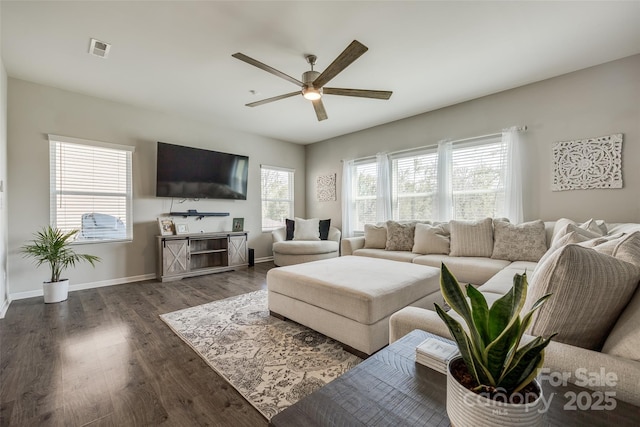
[{"x": 313, "y": 82}]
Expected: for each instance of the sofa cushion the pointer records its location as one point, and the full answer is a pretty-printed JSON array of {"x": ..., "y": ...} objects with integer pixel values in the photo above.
[
  {"x": 307, "y": 229},
  {"x": 589, "y": 290},
  {"x": 519, "y": 242},
  {"x": 305, "y": 247},
  {"x": 471, "y": 238},
  {"x": 431, "y": 239},
  {"x": 404, "y": 256},
  {"x": 624, "y": 339},
  {"x": 399, "y": 236},
  {"x": 375, "y": 236},
  {"x": 473, "y": 270}
]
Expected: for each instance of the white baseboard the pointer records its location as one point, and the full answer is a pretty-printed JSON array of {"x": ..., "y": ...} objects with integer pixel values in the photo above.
[
  {"x": 4, "y": 307},
  {"x": 263, "y": 259},
  {"x": 81, "y": 286}
]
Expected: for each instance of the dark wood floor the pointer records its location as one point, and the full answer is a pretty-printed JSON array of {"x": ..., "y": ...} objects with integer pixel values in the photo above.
[{"x": 104, "y": 358}]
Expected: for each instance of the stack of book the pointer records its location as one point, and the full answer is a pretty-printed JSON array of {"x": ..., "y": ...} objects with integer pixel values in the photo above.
[{"x": 436, "y": 354}]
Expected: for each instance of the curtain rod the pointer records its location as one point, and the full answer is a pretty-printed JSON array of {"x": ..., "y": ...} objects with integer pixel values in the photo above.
[{"x": 518, "y": 128}]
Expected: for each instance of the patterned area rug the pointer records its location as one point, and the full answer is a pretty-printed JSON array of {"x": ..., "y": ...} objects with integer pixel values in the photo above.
[{"x": 271, "y": 362}]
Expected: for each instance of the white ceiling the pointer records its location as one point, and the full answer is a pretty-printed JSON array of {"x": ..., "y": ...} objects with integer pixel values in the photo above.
[{"x": 175, "y": 56}]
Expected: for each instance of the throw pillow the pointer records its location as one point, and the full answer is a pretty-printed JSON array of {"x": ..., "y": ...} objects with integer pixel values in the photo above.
[
  {"x": 290, "y": 224},
  {"x": 307, "y": 229},
  {"x": 375, "y": 236},
  {"x": 431, "y": 239},
  {"x": 589, "y": 291},
  {"x": 521, "y": 242},
  {"x": 324, "y": 228},
  {"x": 628, "y": 248},
  {"x": 471, "y": 238},
  {"x": 590, "y": 228},
  {"x": 399, "y": 236}
]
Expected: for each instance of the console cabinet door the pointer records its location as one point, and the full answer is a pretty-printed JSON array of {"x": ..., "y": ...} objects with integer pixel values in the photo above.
[
  {"x": 175, "y": 256},
  {"x": 237, "y": 250}
]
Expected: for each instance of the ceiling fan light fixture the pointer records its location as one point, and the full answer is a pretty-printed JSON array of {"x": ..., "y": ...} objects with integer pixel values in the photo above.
[{"x": 311, "y": 93}]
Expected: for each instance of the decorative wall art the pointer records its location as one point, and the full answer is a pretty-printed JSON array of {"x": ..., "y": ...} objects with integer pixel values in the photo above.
[
  {"x": 326, "y": 188},
  {"x": 588, "y": 163}
]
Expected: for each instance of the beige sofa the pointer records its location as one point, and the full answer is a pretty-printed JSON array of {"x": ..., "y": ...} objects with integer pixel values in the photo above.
[
  {"x": 289, "y": 252},
  {"x": 618, "y": 354}
]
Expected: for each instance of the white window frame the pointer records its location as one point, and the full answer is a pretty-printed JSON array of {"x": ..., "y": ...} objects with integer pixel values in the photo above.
[
  {"x": 290, "y": 199},
  {"x": 358, "y": 225},
  {"x": 397, "y": 196},
  {"x": 443, "y": 208},
  {"x": 499, "y": 190},
  {"x": 60, "y": 194}
]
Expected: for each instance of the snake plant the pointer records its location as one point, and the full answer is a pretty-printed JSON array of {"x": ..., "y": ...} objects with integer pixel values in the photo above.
[{"x": 491, "y": 347}]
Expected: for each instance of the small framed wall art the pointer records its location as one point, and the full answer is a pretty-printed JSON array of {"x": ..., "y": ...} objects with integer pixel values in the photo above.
[
  {"x": 182, "y": 228},
  {"x": 238, "y": 224},
  {"x": 166, "y": 226}
]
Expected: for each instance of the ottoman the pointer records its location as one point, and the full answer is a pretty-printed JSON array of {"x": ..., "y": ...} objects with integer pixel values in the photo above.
[{"x": 350, "y": 298}]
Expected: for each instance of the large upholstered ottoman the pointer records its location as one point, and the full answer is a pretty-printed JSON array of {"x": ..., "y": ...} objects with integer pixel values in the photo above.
[{"x": 351, "y": 298}]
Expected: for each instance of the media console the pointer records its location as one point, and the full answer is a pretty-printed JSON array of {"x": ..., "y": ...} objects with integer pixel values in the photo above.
[{"x": 196, "y": 254}]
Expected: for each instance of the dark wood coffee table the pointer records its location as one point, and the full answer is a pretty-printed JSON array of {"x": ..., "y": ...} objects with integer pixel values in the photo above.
[{"x": 391, "y": 389}]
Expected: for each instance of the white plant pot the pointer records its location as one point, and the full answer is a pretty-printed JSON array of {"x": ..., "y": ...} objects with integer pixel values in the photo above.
[
  {"x": 466, "y": 408},
  {"x": 55, "y": 291}
]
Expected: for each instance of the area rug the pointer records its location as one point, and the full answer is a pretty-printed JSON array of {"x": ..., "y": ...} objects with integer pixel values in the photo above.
[{"x": 271, "y": 362}]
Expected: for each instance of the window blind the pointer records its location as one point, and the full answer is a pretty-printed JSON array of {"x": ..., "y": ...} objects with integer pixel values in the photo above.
[
  {"x": 91, "y": 188},
  {"x": 414, "y": 186},
  {"x": 365, "y": 193},
  {"x": 478, "y": 179},
  {"x": 277, "y": 196}
]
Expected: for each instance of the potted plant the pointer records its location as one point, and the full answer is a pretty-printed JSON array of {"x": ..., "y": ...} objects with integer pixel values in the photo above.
[
  {"x": 493, "y": 379},
  {"x": 53, "y": 246}
]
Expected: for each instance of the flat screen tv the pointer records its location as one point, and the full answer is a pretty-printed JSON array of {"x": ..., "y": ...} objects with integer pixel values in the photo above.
[{"x": 194, "y": 173}]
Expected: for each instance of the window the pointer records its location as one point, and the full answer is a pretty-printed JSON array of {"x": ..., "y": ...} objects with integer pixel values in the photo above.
[
  {"x": 277, "y": 196},
  {"x": 415, "y": 185},
  {"x": 465, "y": 180},
  {"x": 365, "y": 194},
  {"x": 478, "y": 173},
  {"x": 90, "y": 186}
]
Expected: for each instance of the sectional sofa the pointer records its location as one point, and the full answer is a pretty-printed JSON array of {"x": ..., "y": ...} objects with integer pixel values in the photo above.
[{"x": 592, "y": 269}]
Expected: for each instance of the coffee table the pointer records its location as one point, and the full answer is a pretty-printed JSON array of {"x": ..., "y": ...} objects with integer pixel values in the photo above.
[{"x": 391, "y": 389}]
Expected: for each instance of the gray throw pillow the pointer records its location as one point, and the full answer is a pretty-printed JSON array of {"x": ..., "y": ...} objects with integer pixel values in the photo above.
[
  {"x": 431, "y": 239},
  {"x": 589, "y": 291},
  {"x": 400, "y": 236},
  {"x": 519, "y": 242}
]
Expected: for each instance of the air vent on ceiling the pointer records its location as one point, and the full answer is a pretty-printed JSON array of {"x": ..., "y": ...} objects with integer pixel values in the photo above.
[{"x": 99, "y": 48}]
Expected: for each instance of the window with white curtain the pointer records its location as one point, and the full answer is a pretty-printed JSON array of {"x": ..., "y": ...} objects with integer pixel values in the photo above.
[
  {"x": 365, "y": 188},
  {"x": 414, "y": 185},
  {"x": 277, "y": 196},
  {"x": 90, "y": 185},
  {"x": 464, "y": 180}
]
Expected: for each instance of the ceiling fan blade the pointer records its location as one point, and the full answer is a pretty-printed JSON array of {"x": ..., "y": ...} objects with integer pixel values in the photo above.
[
  {"x": 275, "y": 98},
  {"x": 350, "y": 54},
  {"x": 321, "y": 113},
  {"x": 265, "y": 67},
  {"x": 362, "y": 93}
]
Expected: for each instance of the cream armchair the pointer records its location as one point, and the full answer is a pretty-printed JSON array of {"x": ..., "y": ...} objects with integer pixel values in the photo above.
[{"x": 289, "y": 252}]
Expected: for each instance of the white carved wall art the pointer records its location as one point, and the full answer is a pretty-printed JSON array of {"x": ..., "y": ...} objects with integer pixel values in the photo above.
[
  {"x": 588, "y": 163},
  {"x": 326, "y": 188}
]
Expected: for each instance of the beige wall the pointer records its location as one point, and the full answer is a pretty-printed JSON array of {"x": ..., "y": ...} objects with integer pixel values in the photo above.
[
  {"x": 3, "y": 190},
  {"x": 36, "y": 110},
  {"x": 593, "y": 102}
]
